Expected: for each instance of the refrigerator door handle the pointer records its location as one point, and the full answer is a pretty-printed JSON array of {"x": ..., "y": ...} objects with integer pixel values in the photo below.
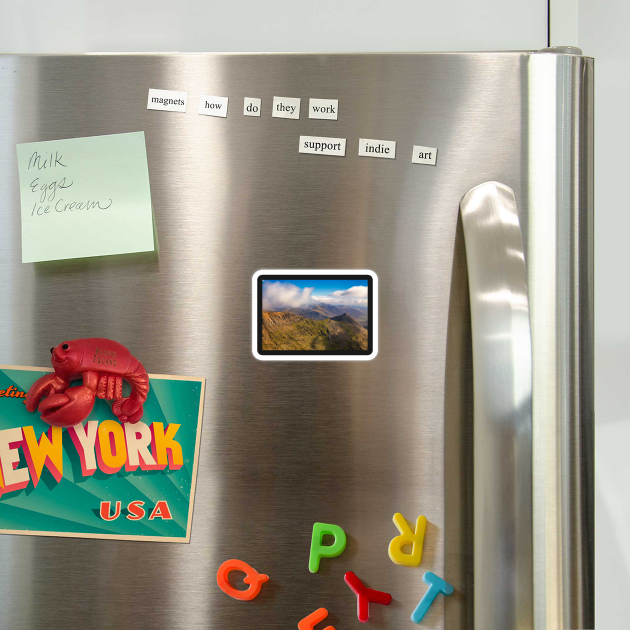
[{"x": 502, "y": 373}]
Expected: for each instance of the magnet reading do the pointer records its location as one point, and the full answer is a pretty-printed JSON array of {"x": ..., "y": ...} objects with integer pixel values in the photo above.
[{"x": 251, "y": 106}]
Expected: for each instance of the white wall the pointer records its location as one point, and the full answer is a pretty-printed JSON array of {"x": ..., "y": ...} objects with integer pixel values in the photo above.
[
  {"x": 604, "y": 29},
  {"x": 270, "y": 25}
]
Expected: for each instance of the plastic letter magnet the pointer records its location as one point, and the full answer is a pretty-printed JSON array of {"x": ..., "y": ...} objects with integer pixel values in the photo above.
[
  {"x": 319, "y": 551},
  {"x": 407, "y": 537},
  {"x": 308, "y": 623},
  {"x": 436, "y": 586},
  {"x": 252, "y": 577},
  {"x": 365, "y": 596}
]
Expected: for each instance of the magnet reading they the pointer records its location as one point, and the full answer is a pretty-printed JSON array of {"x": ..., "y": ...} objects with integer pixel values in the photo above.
[{"x": 252, "y": 577}]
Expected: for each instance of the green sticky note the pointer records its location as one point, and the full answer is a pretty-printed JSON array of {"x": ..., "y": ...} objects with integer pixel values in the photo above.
[{"x": 85, "y": 197}]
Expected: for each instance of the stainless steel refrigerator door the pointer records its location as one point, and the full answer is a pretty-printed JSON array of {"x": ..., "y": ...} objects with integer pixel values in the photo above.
[{"x": 284, "y": 444}]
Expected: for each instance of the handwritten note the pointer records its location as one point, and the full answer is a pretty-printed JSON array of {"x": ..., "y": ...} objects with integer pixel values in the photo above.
[{"x": 85, "y": 197}]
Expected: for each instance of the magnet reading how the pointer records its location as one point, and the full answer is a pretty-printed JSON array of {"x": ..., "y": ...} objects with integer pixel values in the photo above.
[
  {"x": 377, "y": 148},
  {"x": 213, "y": 105},
  {"x": 285, "y": 107},
  {"x": 252, "y": 577},
  {"x": 322, "y": 146},
  {"x": 319, "y": 550}
]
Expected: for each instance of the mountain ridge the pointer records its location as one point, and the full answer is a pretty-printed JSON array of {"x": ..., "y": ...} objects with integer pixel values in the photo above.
[
  {"x": 284, "y": 330},
  {"x": 325, "y": 311}
]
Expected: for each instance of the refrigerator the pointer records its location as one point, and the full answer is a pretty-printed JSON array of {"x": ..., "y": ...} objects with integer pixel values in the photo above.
[{"x": 474, "y": 405}]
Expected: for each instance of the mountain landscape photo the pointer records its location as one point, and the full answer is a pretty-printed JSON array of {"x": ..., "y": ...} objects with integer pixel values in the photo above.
[{"x": 315, "y": 315}]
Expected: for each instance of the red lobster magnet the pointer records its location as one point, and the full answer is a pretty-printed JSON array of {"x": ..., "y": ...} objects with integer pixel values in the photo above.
[{"x": 103, "y": 364}]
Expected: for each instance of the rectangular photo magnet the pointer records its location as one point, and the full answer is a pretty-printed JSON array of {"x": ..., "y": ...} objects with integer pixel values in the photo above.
[{"x": 315, "y": 315}]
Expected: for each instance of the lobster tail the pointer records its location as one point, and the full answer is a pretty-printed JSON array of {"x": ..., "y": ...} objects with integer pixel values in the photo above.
[
  {"x": 130, "y": 409},
  {"x": 139, "y": 381}
]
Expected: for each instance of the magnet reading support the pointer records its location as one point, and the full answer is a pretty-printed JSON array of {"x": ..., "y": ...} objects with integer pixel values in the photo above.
[
  {"x": 308, "y": 623},
  {"x": 436, "y": 586},
  {"x": 252, "y": 577},
  {"x": 365, "y": 596},
  {"x": 407, "y": 537},
  {"x": 319, "y": 551}
]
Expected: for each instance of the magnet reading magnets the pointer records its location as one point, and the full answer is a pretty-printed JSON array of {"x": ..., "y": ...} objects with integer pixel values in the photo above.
[
  {"x": 103, "y": 364},
  {"x": 252, "y": 577}
]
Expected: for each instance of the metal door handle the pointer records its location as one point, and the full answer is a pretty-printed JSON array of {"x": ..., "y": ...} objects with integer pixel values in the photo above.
[{"x": 502, "y": 373}]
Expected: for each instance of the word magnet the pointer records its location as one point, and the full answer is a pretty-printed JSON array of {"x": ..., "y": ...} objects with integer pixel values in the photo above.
[
  {"x": 424, "y": 155},
  {"x": 377, "y": 148},
  {"x": 285, "y": 107},
  {"x": 251, "y": 106},
  {"x": 213, "y": 106},
  {"x": 407, "y": 537},
  {"x": 167, "y": 100},
  {"x": 319, "y": 550},
  {"x": 323, "y": 108},
  {"x": 365, "y": 595},
  {"x": 252, "y": 577}
]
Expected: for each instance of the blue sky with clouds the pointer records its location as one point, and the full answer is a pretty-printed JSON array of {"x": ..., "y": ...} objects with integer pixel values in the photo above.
[{"x": 279, "y": 294}]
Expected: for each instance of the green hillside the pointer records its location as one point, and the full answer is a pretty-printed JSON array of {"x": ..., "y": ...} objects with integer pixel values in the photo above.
[{"x": 287, "y": 331}]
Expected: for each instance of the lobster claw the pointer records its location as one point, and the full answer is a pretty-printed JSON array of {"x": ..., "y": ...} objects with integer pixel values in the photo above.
[
  {"x": 68, "y": 408},
  {"x": 43, "y": 386}
]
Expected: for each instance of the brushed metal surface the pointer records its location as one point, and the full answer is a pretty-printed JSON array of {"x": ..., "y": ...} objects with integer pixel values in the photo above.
[
  {"x": 560, "y": 276},
  {"x": 284, "y": 444},
  {"x": 502, "y": 368}
]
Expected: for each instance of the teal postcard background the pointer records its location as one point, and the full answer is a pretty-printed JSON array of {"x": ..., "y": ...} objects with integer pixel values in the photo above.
[{"x": 72, "y": 505}]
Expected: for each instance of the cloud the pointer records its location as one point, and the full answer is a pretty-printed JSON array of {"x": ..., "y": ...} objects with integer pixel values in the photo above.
[
  {"x": 353, "y": 295},
  {"x": 280, "y": 295}
]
